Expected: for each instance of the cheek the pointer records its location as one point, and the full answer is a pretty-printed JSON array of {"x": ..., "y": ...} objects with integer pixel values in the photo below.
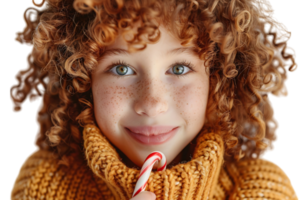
[
  {"x": 191, "y": 101},
  {"x": 109, "y": 102}
]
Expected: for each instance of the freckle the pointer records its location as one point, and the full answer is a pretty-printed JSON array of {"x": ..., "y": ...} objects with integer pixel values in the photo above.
[{"x": 187, "y": 104}]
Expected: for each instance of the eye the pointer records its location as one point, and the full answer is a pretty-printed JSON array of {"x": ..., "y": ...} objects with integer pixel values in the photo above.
[{"x": 121, "y": 68}]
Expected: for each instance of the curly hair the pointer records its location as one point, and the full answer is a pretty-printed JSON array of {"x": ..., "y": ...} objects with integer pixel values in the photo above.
[{"x": 238, "y": 39}]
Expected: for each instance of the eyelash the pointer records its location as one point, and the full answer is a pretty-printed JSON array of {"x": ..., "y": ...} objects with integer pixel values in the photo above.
[{"x": 184, "y": 63}]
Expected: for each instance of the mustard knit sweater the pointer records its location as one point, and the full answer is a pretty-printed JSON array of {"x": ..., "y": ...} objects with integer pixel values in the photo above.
[{"x": 105, "y": 176}]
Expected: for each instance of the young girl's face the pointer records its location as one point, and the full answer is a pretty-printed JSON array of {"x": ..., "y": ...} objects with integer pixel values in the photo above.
[{"x": 138, "y": 101}]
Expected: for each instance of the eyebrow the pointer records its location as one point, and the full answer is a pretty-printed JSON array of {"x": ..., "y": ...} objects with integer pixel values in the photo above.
[{"x": 118, "y": 51}]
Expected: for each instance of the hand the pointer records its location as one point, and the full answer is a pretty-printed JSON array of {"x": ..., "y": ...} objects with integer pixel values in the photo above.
[{"x": 145, "y": 195}]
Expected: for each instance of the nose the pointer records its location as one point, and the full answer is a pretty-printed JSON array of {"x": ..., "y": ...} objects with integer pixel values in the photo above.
[{"x": 152, "y": 98}]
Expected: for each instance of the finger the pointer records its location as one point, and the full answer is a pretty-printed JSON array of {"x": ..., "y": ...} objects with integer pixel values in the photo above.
[{"x": 145, "y": 195}]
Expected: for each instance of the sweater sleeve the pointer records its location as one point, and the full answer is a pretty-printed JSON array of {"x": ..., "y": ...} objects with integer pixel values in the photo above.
[
  {"x": 23, "y": 174},
  {"x": 259, "y": 180},
  {"x": 42, "y": 178}
]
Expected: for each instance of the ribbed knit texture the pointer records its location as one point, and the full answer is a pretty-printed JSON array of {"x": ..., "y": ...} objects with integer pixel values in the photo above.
[
  {"x": 104, "y": 176},
  {"x": 192, "y": 180}
]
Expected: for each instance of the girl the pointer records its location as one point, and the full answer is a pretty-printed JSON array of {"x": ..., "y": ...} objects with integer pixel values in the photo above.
[{"x": 125, "y": 78}]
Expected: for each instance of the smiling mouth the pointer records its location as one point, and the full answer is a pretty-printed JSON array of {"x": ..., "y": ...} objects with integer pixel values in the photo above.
[
  {"x": 152, "y": 139},
  {"x": 151, "y": 134},
  {"x": 147, "y": 134}
]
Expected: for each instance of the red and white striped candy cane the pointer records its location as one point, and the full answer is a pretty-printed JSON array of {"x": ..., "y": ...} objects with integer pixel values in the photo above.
[{"x": 147, "y": 168}]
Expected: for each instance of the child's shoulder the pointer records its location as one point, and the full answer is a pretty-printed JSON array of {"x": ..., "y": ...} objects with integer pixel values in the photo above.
[
  {"x": 258, "y": 179},
  {"x": 23, "y": 174},
  {"x": 41, "y": 177}
]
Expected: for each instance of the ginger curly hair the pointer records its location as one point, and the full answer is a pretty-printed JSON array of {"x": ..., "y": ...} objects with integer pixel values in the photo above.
[{"x": 245, "y": 61}]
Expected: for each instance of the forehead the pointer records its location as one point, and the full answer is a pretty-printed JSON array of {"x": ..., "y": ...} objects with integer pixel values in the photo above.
[{"x": 121, "y": 51}]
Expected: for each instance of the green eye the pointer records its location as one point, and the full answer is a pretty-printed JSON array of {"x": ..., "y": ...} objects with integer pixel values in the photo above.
[{"x": 179, "y": 69}]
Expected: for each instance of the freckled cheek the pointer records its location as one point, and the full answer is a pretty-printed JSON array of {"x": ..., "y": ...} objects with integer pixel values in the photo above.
[
  {"x": 108, "y": 105},
  {"x": 193, "y": 102}
]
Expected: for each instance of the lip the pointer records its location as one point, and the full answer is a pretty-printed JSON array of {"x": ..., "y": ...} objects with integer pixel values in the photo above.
[
  {"x": 152, "y": 139},
  {"x": 151, "y": 130}
]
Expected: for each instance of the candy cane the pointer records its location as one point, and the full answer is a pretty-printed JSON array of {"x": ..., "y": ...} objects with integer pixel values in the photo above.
[{"x": 147, "y": 168}]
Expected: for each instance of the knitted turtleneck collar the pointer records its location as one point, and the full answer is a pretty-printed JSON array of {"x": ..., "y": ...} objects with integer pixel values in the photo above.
[{"x": 195, "y": 179}]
